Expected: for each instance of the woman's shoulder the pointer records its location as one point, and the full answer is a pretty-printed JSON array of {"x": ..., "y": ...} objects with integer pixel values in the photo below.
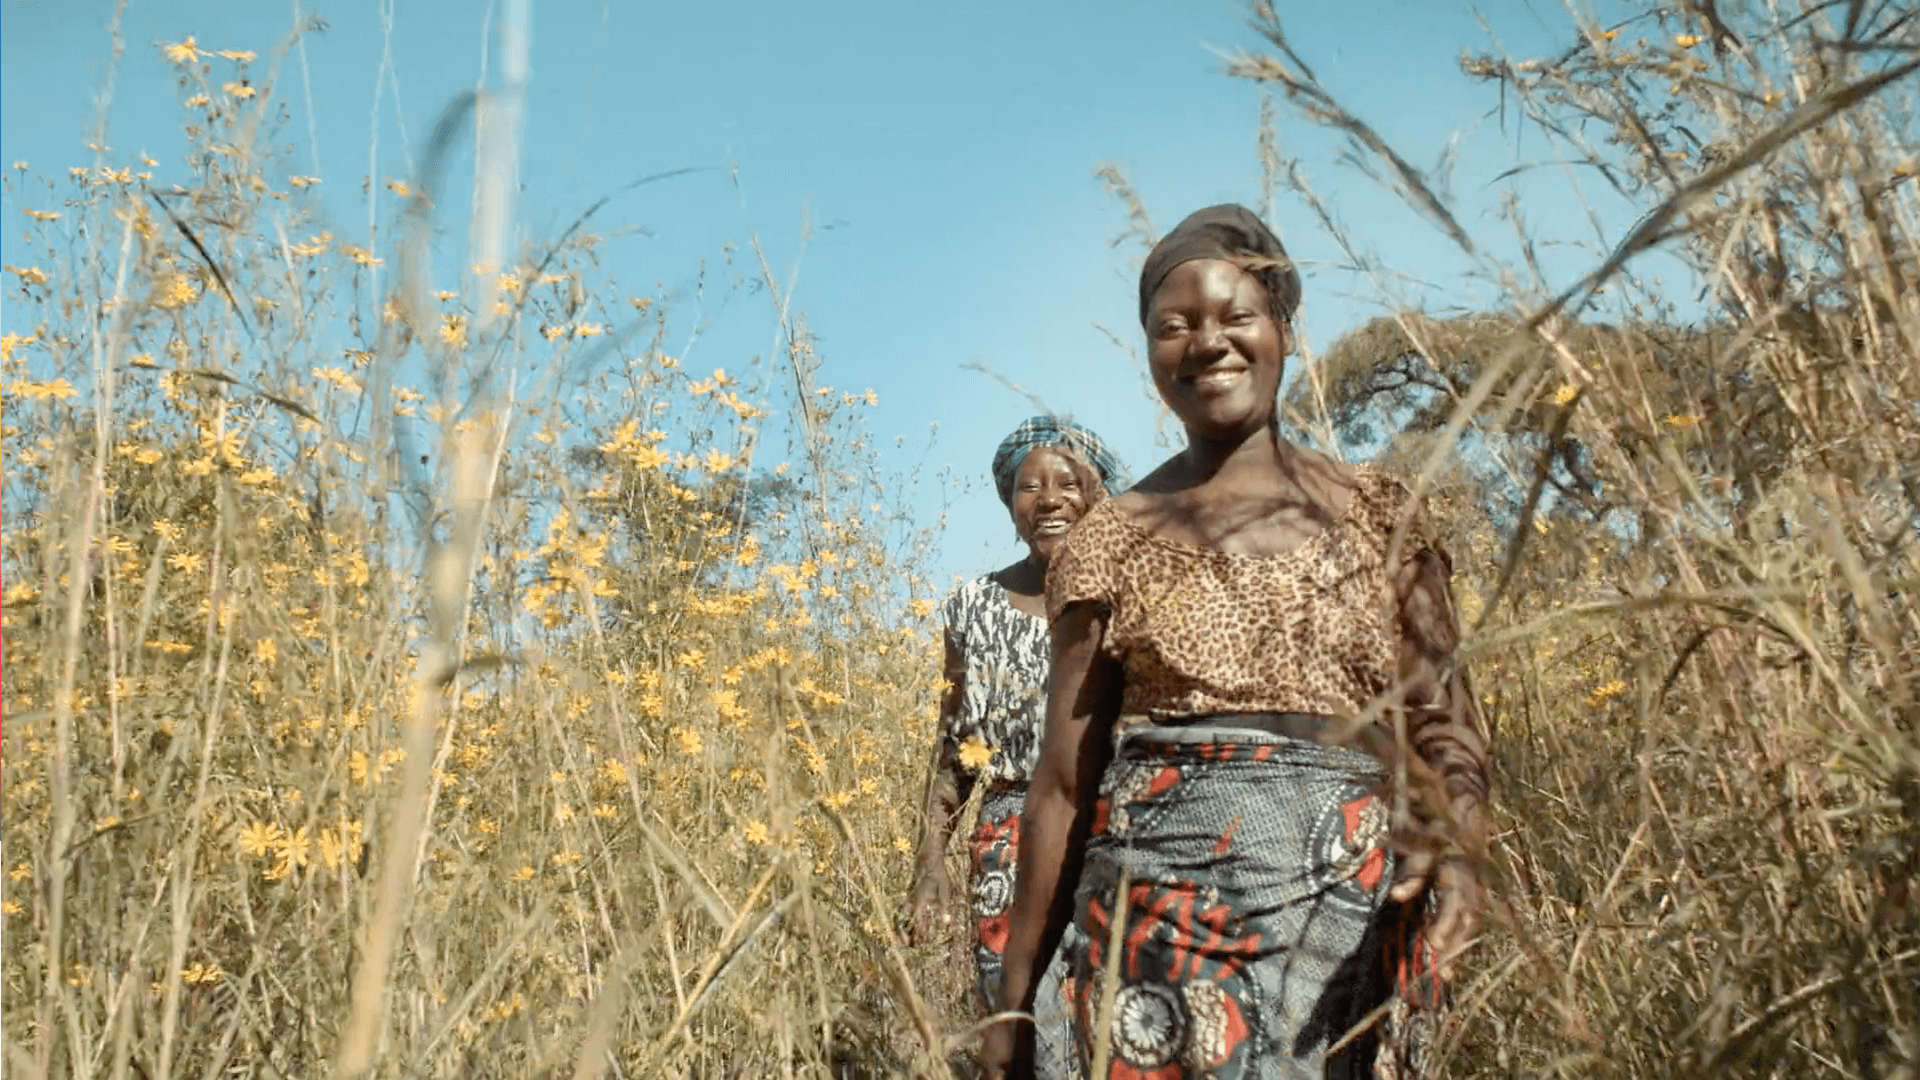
[
  {"x": 1373, "y": 485},
  {"x": 1387, "y": 502},
  {"x": 968, "y": 597},
  {"x": 1101, "y": 524},
  {"x": 1146, "y": 500}
]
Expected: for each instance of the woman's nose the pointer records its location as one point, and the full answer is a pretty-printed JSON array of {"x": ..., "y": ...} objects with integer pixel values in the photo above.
[{"x": 1211, "y": 338}]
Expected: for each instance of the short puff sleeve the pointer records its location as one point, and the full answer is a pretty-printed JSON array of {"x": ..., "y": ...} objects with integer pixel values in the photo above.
[{"x": 1082, "y": 567}]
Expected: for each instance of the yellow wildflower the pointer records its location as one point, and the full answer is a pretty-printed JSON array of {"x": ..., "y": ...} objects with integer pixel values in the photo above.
[
  {"x": 174, "y": 291},
  {"x": 238, "y": 89},
  {"x": 183, "y": 52},
  {"x": 302, "y": 181},
  {"x": 242, "y": 55},
  {"x": 1565, "y": 394},
  {"x": 259, "y": 838},
  {"x": 293, "y": 847},
  {"x": 525, "y": 873},
  {"x": 29, "y": 275},
  {"x": 10, "y": 342},
  {"x": 43, "y": 215},
  {"x": 59, "y": 389},
  {"x": 198, "y": 100},
  {"x": 975, "y": 754},
  {"x": 338, "y": 378},
  {"x": 1611, "y": 689},
  {"x": 1686, "y": 41},
  {"x": 756, "y": 832},
  {"x": 201, "y": 973},
  {"x": 340, "y": 847}
]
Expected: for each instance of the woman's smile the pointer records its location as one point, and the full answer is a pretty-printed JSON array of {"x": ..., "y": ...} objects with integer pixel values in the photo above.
[{"x": 1217, "y": 381}]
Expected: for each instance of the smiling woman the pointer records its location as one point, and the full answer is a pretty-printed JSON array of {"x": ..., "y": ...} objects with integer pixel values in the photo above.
[
  {"x": 1284, "y": 624},
  {"x": 1049, "y": 472}
]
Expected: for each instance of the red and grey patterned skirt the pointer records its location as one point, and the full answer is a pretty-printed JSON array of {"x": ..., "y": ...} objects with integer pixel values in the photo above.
[
  {"x": 994, "y": 852},
  {"x": 1256, "y": 936}
]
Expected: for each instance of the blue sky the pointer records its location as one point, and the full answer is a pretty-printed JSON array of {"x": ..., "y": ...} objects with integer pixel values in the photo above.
[{"x": 945, "y": 153}]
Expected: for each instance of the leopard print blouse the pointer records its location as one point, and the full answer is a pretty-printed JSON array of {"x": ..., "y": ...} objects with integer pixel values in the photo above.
[{"x": 1198, "y": 631}]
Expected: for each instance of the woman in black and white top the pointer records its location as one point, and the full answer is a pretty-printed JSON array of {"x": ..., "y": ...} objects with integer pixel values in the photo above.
[{"x": 1049, "y": 472}]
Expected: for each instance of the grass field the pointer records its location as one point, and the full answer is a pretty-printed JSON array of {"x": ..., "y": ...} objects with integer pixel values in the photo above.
[{"x": 372, "y": 709}]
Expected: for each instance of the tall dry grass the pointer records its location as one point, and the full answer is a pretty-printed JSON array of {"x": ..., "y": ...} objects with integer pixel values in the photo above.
[
  {"x": 1686, "y": 541},
  {"x": 414, "y": 672}
]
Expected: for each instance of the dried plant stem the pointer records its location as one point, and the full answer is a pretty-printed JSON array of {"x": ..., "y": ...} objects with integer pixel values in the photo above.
[{"x": 1110, "y": 973}]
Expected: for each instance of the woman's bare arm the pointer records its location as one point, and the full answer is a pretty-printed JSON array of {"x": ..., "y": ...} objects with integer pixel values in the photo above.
[
  {"x": 1448, "y": 769},
  {"x": 930, "y": 885},
  {"x": 1082, "y": 705}
]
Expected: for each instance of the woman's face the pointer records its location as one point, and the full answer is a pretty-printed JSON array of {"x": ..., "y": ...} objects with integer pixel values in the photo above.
[
  {"x": 1050, "y": 492},
  {"x": 1215, "y": 349}
]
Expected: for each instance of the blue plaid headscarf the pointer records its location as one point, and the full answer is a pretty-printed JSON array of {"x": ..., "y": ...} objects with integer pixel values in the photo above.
[{"x": 1056, "y": 432}]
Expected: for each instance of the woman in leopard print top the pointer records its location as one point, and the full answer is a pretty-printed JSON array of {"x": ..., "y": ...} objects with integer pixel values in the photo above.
[{"x": 1310, "y": 764}]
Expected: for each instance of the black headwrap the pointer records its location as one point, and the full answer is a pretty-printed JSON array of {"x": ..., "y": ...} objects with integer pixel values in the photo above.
[{"x": 1233, "y": 233}]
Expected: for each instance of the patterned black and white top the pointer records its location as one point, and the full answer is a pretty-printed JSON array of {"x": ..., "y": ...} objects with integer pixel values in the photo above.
[{"x": 1004, "y": 700}]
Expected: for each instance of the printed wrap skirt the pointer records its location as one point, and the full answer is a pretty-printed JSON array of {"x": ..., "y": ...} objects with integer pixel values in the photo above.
[
  {"x": 1256, "y": 939},
  {"x": 993, "y": 852}
]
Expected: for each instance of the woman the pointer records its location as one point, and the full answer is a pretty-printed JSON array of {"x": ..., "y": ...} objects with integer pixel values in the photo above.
[
  {"x": 1308, "y": 786},
  {"x": 1049, "y": 473}
]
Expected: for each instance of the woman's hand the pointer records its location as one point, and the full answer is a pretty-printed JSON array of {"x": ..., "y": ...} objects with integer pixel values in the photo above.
[
  {"x": 929, "y": 916},
  {"x": 1454, "y": 916},
  {"x": 1006, "y": 1051}
]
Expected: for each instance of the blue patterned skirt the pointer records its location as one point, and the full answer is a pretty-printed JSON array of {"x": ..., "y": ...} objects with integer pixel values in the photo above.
[{"x": 1256, "y": 935}]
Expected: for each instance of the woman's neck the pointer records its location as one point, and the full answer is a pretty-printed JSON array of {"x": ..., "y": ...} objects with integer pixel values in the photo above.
[
  {"x": 1028, "y": 576},
  {"x": 1212, "y": 456}
]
